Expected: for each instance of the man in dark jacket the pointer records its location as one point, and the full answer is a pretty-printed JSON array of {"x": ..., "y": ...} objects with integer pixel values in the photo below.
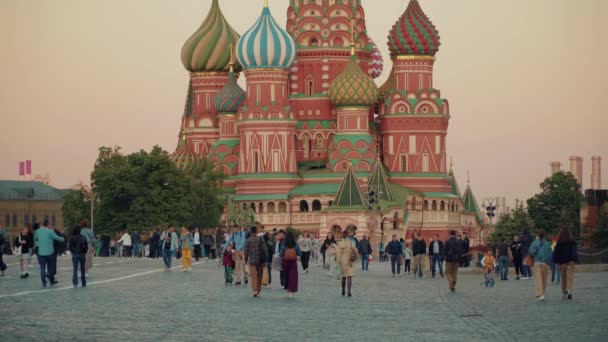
[
  {"x": 155, "y": 244},
  {"x": 452, "y": 254},
  {"x": 365, "y": 249},
  {"x": 419, "y": 251},
  {"x": 517, "y": 256},
  {"x": 465, "y": 250},
  {"x": 436, "y": 253},
  {"x": 526, "y": 242},
  {"x": 60, "y": 248},
  {"x": 395, "y": 250}
]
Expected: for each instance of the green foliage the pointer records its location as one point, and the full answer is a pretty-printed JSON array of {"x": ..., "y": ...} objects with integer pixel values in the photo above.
[
  {"x": 558, "y": 204},
  {"x": 243, "y": 217},
  {"x": 76, "y": 207},
  {"x": 512, "y": 224},
  {"x": 206, "y": 194},
  {"x": 600, "y": 235},
  {"x": 139, "y": 190}
]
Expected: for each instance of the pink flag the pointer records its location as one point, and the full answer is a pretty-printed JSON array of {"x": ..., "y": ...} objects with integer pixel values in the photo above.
[
  {"x": 28, "y": 167},
  {"x": 21, "y": 169}
]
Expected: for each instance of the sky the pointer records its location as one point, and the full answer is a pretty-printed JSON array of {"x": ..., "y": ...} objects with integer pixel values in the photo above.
[{"x": 525, "y": 80}]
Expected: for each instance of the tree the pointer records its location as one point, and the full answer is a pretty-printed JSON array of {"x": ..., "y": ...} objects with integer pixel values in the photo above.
[
  {"x": 558, "y": 204},
  {"x": 512, "y": 224},
  {"x": 75, "y": 208},
  {"x": 206, "y": 194},
  {"x": 139, "y": 190},
  {"x": 241, "y": 216},
  {"x": 600, "y": 235}
]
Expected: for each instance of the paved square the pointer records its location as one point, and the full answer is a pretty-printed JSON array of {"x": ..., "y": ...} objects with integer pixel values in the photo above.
[{"x": 129, "y": 299}]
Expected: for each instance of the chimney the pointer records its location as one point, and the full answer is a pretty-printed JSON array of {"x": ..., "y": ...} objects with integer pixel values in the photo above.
[
  {"x": 576, "y": 167},
  {"x": 555, "y": 167},
  {"x": 596, "y": 173}
]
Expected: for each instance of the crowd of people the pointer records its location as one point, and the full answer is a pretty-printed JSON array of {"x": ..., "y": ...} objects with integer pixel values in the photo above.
[{"x": 252, "y": 254}]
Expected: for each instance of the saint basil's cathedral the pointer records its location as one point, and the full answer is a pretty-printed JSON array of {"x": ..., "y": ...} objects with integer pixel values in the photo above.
[{"x": 312, "y": 142}]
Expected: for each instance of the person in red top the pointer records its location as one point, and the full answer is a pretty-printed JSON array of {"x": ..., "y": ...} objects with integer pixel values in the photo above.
[{"x": 228, "y": 263}]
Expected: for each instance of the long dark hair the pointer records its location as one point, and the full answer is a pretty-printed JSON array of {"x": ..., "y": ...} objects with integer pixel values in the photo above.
[
  {"x": 565, "y": 236},
  {"x": 290, "y": 239},
  {"x": 76, "y": 230}
]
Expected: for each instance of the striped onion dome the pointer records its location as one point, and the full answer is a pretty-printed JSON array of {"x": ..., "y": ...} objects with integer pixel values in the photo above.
[
  {"x": 353, "y": 87},
  {"x": 230, "y": 97},
  {"x": 266, "y": 45},
  {"x": 376, "y": 63},
  {"x": 209, "y": 47},
  {"x": 413, "y": 33}
]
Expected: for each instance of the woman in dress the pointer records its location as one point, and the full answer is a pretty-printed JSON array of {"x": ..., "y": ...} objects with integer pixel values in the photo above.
[
  {"x": 290, "y": 255},
  {"x": 344, "y": 252},
  {"x": 329, "y": 240},
  {"x": 565, "y": 255}
]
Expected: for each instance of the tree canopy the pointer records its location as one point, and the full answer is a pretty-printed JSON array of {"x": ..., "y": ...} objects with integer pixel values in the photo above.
[
  {"x": 600, "y": 234},
  {"x": 558, "y": 204},
  {"x": 76, "y": 207},
  {"x": 512, "y": 224}
]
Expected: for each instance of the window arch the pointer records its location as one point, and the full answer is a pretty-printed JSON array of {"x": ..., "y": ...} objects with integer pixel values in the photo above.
[
  {"x": 252, "y": 206},
  {"x": 15, "y": 220},
  {"x": 270, "y": 208},
  {"x": 413, "y": 203},
  {"x": 426, "y": 205},
  {"x": 310, "y": 85},
  {"x": 303, "y": 206},
  {"x": 316, "y": 205},
  {"x": 314, "y": 42},
  {"x": 261, "y": 208},
  {"x": 282, "y": 207},
  {"x": 434, "y": 205},
  {"x": 442, "y": 206},
  {"x": 396, "y": 221}
]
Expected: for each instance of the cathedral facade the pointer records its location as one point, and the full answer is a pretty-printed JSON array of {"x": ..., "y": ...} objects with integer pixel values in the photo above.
[{"x": 312, "y": 142}]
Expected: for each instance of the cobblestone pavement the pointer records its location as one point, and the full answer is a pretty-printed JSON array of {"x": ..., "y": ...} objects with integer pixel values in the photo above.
[{"x": 129, "y": 299}]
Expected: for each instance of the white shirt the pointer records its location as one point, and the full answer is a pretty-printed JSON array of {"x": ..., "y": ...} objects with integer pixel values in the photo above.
[
  {"x": 126, "y": 240},
  {"x": 197, "y": 238}
]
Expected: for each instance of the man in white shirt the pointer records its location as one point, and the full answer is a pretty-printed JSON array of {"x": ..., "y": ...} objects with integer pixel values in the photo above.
[
  {"x": 126, "y": 244},
  {"x": 197, "y": 244}
]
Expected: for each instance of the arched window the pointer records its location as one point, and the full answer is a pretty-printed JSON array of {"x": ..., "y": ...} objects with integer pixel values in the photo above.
[
  {"x": 270, "y": 208},
  {"x": 319, "y": 142},
  {"x": 413, "y": 203},
  {"x": 434, "y": 206},
  {"x": 261, "y": 208},
  {"x": 338, "y": 42},
  {"x": 282, "y": 207},
  {"x": 331, "y": 203},
  {"x": 396, "y": 221},
  {"x": 7, "y": 220},
  {"x": 452, "y": 206},
  {"x": 316, "y": 205},
  {"x": 442, "y": 206},
  {"x": 426, "y": 205},
  {"x": 313, "y": 42},
  {"x": 310, "y": 85},
  {"x": 303, "y": 206},
  {"x": 244, "y": 206},
  {"x": 15, "y": 220},
  {"x": 252, "y": 207}
]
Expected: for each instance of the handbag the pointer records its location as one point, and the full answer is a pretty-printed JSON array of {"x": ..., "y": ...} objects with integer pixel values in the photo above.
[
  {"x": 353, "y": 255},
  {"x": 290, "y": 254},
  {"x": 528, "y": 261}
]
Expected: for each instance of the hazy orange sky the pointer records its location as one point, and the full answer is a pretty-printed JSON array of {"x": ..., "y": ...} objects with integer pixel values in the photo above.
[{"x": 524, "y": 78}]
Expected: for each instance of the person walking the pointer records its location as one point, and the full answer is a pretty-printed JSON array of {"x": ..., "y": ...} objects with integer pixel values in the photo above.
[
  {"x": 344, "y": 257},
  {"x": 407, "y": 253},
  {"x": 517, "y": 256},
  {"x": 169, "y": 244},
  {"x": 26, "y": 247},
  {"x": 419, "y": 251},
  {"x": 228, "y": 262},
  {"x": 526, "y": 242},
  {"x": 155, "y": 244},
  {"x": 78, "y": 248},
  {"x": 329, "y": 240},
  {"x": 465, "y": 261},
  {"x": 187, "y": 246},
  {"x": 127, "y": 244},
  {"x": 270, "y": 251},
  {"x": 365, "y": 249},
  {"x": 305, "y": 244},
  {"x": 136, "y": 241},
  {"x": 436, "y": 254},
  {"x": 256, "y": 256},
  {"x": 44, "y": 239},
  {"x": 238, "y": 239},
  {"x": 565, "y": 255},
  {"x": 277, "y": 260},
  {"x": 452, "y": 253},
  {"x": 556, "y": 274},
  {"x": 3, "y": 241},
  {"x": 92, "y": 243},
  {"x": 540, "y": 250},
  {"x": 207, "y": 242},
  {"x": 290, "y": 254},
  {"x": 395, "y": 250},
  {"x": 197, "y": 243},
  {"x": 59, "y": 249},
  {"x": 502, "y": 253}
]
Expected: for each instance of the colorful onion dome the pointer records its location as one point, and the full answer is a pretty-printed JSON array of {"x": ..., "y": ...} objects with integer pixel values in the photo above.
[
  {"x": 353, "y": 87},
  {"x": 230, "y": 97},
  {"x": 209, "y": 47},
  {"x": 266, "y": 45},
  {"x": 413, "y": 33},
  {"x": 387, "y": 87},
  {"x": 376, "y": 63}
]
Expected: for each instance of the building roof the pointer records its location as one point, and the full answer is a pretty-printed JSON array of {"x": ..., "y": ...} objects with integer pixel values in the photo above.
[
  {"x": 353, "y": 87},
  {"x": 379, "y": 182},
  {"x": 315, "y": 189},
  {"x": 470, "y": 204},
  {"x": 260, "y": 197},
  {"x": 349, "y": 194},
  {"x": 208, "y": 49},
  {"x": 413, "y": 33},
  {"x": 230, "y": 97},
  {"x": 455, "y": 188},
  {"x": 29, "y": 190}
]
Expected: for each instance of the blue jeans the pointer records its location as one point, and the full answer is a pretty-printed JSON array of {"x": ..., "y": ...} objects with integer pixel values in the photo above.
[
  {"x": 78, "y": 261},
  {"x": 396, "y": 263},
  {"x": 556, "y": 274},
  {"x": 44, "y": 261},
  {"x": 136, "y": 249},
  {"x": 503, "y": 261},
  {"x": 436, "y": 260},
  {"x": 365, "y": 261},
  {"x": 167, "y": 257},
  {"x": 526, "y": 271},
  {"x": 269, "y": 272}
]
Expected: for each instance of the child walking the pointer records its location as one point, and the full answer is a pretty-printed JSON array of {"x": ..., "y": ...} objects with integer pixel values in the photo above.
[
  {"x": 489, "y": 263},
  {"x": 229, "y": 264}
]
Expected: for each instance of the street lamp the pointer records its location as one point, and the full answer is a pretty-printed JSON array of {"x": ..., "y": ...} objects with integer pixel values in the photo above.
[{"x": 91, "y": 196}]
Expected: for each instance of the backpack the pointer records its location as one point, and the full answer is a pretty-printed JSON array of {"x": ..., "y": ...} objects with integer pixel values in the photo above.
[
  {"x": 262, "y": 251},
  {"x": 450, "y": 253},
  {"x": 290, "y": 254}
]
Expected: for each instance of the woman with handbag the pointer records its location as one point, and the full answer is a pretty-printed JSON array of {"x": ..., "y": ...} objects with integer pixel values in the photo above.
[
  {"x": 540, "y": 250},
  {"x": 290, "y": 255},
  {"x": 346, "y": 255},
  {"x": 565, "y": 255}
]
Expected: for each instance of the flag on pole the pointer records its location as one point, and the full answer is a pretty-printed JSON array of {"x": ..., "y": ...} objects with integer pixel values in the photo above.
[
  {"x": 28, "y": 167},
  {"x": 21, "y": 169}
]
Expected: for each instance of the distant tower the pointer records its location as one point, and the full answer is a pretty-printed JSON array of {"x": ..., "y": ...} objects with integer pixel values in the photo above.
[
  {"x": 555, "y": 167},
  {"x": 596, "y": 173},
  {"x": 265, "y": 122},
  {"x": 576, "y": 168}
]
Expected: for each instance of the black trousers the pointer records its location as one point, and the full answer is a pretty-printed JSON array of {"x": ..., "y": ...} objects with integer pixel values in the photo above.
[
  {"x": 305, "y": 259},
  {"x": 197, "y": 252},
  {"x": 52, "y": 265},
  {"x": 3, "y": 266},
  {"x": 407, "y": 267},
  {"x": 207, "y": 251}
]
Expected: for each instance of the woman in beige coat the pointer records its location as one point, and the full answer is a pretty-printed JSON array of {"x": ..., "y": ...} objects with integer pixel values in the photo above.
[{"x": 343, "y": 253}]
